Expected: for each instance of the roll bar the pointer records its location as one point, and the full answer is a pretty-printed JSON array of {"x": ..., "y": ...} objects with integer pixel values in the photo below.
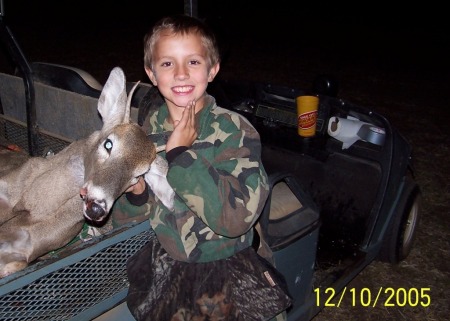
[{"x": 25, "y": 69}]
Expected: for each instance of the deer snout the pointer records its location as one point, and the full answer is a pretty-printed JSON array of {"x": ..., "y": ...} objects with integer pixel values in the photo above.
[{"x": 94, "y": 209}]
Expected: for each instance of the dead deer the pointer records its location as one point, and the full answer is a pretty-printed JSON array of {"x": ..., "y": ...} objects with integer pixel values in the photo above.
[{"x": 40, "y": 205}]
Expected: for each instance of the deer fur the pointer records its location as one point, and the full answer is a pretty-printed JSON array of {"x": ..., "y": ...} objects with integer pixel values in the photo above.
[{"x": 45, "y": 201}]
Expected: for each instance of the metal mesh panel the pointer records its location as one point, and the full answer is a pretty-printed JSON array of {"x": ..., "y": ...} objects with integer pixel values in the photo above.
[
  {"x": 15, "y": 132},
  {"x": 63, "y": 294}
]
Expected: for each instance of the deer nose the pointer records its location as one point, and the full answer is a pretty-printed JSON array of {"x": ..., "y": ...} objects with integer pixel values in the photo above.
[{"x": 94, "y": 211}]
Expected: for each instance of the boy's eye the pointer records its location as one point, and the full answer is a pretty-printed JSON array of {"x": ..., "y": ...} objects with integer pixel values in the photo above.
[
  {"x": 194, "y": 62},
  {"x": 166, "y": 64}
]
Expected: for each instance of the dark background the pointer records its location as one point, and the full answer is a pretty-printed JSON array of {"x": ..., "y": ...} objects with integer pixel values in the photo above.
[
  {"x": 392, "y": 59},
  {"x": 409, "y": 39}
]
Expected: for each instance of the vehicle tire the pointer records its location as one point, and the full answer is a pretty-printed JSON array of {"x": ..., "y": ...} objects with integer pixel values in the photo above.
[{"x": 399, "y": 238}]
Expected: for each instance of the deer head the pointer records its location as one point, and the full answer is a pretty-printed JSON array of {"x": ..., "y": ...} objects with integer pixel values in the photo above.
[{"x": 116, "y": 155}]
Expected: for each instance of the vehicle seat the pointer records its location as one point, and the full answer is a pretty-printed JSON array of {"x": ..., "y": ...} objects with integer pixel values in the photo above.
[
  {"x": 67, "y": 78},
  {"x": 76, "y": 80},
  {"x": 289, "y": 213},
  {"x": 289, "y": 231}
]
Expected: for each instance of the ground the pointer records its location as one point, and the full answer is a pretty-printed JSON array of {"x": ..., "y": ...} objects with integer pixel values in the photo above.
[{"x": 396, "y": 68}]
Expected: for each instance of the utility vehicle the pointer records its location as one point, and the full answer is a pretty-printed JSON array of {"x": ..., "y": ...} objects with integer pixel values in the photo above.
[{"x": 339, "y": 200}]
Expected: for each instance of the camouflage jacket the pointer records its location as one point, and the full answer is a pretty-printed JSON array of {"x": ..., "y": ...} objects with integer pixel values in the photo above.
[{"x": 220, "y": 184}]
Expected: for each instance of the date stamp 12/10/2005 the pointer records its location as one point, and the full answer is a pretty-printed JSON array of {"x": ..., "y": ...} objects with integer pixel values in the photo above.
[{"x": 365, "y": 297}]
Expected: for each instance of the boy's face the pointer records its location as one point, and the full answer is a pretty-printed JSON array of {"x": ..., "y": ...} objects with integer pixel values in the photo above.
[{"x": 180, "y": 70}]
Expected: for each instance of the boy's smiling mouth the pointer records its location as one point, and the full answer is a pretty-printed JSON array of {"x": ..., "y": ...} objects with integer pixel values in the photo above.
[{"x": 183, "y": 89}]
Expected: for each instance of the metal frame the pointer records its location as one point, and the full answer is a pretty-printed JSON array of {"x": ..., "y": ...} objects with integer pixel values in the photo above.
[{"x": 25, "y": 69}]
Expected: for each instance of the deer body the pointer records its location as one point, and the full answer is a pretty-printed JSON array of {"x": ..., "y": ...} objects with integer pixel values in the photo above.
[{"x": 40, "y": 204}]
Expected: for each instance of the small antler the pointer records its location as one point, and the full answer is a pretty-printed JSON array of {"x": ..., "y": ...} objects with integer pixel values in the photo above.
[{"x": 130, "y": 95}]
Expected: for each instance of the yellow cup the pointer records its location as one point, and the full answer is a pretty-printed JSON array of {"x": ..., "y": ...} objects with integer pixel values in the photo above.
[{"x": 307, "y": 107}]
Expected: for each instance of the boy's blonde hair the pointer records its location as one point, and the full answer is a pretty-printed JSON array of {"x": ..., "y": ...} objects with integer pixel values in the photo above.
[{"x": 181, "y": 25}]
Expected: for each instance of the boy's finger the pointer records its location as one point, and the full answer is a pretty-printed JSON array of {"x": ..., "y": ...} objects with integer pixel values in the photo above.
[{"x": 193, "y": 112}]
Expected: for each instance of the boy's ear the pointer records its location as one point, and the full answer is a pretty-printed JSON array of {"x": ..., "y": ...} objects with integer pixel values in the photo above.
[
  {"x": 213, "y": 72},
  {"x": 151, "y": 76}
]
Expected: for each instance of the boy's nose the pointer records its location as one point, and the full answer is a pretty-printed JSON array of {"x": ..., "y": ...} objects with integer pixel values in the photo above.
[{"x": 181, "y": 72}]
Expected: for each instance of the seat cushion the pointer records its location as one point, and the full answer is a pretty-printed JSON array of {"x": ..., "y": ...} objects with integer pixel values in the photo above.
[{"x": 283, "y": 201}]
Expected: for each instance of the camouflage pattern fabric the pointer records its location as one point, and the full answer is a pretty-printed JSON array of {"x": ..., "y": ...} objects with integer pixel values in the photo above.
[
  {"x": 220, "y": 184},
  {"x": 243, "y": 287},
  {"x": 220, "y": 189}
]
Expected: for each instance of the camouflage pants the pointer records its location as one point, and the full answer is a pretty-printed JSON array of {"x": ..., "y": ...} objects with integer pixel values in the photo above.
[{"x": 244, "y": 287}]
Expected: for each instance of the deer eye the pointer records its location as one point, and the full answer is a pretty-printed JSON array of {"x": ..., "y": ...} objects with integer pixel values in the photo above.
[{"x": 108, "y": 145}]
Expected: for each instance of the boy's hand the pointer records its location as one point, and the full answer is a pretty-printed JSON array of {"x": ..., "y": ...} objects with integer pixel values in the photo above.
[{"x": 185, "y": 130}]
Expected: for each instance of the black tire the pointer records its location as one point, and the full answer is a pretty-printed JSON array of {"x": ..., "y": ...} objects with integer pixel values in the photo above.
[{"x": 399, "y": 238}]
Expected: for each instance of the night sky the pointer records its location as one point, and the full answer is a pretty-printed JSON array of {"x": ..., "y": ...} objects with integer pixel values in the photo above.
[{"x": 419, "y": 32}]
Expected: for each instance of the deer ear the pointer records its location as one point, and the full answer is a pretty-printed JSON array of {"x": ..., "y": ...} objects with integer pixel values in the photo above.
[
  {"x": 112, "y": 104},
  {"x": 156, "y": 178}
]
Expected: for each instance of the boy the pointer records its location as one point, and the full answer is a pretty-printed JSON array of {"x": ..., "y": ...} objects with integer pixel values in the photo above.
[{"x": 201, "y": 265}]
